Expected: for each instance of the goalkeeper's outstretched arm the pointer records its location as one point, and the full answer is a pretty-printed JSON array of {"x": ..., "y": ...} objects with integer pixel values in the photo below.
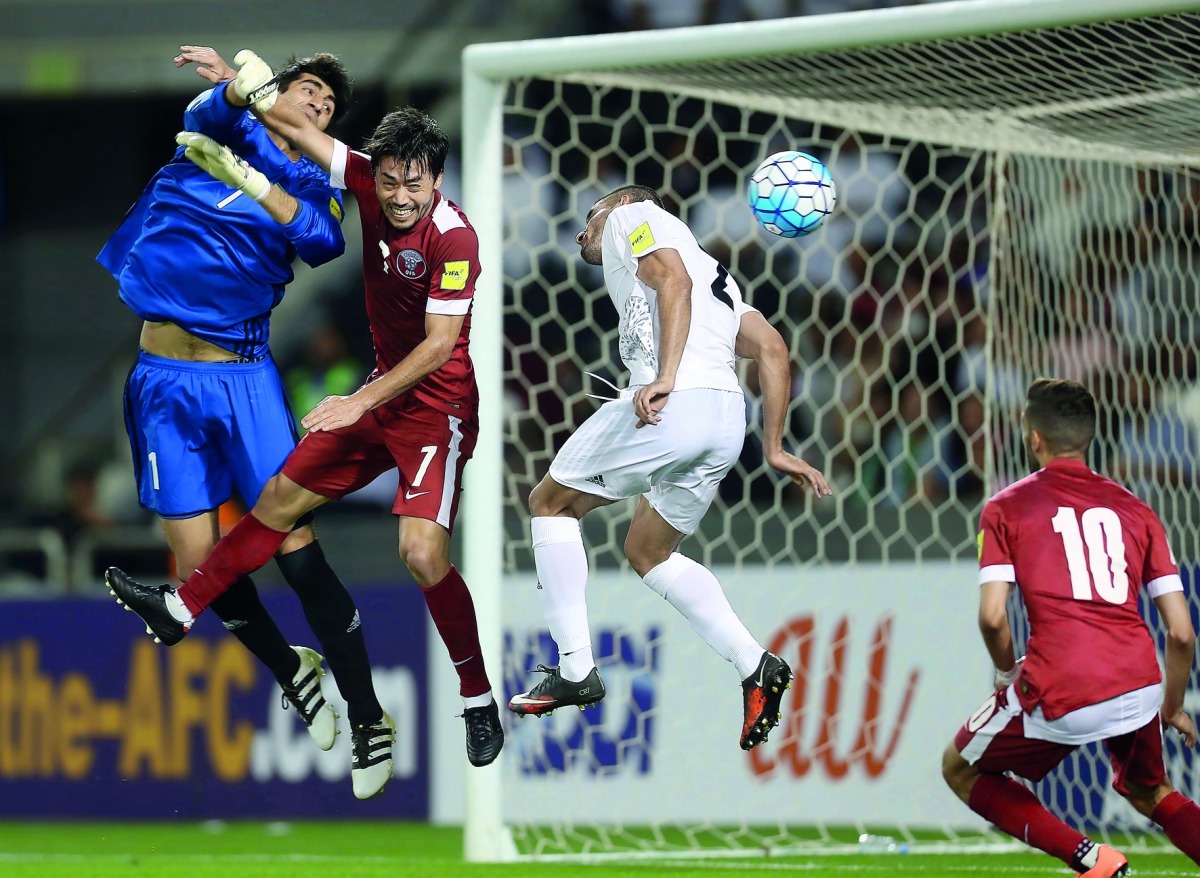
[
  {"x": 761, "y": 342},
  {"x": 230, "y": 168},
  {"x": 253, "y": 85}
]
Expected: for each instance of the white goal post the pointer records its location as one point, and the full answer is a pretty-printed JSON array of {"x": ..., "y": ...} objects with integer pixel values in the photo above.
[{"x": 1018, "y": 197}]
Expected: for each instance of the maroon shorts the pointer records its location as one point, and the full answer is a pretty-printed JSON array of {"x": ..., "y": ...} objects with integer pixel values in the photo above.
[
  {"x": 993, "y": 739},
  {"x": 428, "y": 447}
]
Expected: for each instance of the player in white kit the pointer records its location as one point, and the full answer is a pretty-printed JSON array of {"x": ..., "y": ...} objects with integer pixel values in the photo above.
[{"x": 670, "y": 437}]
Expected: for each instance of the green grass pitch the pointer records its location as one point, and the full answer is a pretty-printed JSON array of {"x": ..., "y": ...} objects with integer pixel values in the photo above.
[{"x": 413, "y": 850}]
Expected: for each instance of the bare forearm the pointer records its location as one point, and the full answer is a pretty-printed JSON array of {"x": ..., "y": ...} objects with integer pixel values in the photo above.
[
  {"x": 1180, "y": 648},
  {"x": 1178, "y": 663},
  {"x": 425, "y": 359},
  {"x": 287, "y": 120},
  {"x": 775, "y": 382},
  {"x": 284, "y": 118},
  {"x": 998, "y": 640},
  {"x": 280, "y": 206}
]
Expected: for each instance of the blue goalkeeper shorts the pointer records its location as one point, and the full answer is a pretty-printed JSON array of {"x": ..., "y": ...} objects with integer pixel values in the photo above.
[{"x": 199, "y": 431}]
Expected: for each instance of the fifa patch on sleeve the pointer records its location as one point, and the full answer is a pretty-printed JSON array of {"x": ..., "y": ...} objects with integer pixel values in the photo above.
[
  {"x": 640, "y": 239},
  {"x": 979, "y": 540},
  {"x": 335, "y": 209},
  {"x": 454, "y": 275}
]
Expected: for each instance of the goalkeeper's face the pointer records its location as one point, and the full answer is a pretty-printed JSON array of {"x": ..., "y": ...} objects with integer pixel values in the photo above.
[
  {"x": 314, "y": 98},
  {"x": 405, "y": 194}
]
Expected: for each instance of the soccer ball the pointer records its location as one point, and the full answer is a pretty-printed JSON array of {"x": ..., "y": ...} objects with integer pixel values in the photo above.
[{"x": 791, "y": 193}]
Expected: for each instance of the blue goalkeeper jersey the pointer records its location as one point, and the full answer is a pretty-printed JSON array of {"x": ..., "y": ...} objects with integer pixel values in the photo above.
[{"x": 195, "y": 252}]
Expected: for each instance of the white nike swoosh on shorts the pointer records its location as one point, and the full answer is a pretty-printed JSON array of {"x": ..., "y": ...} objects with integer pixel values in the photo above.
[{"x": 409, "y": 495}]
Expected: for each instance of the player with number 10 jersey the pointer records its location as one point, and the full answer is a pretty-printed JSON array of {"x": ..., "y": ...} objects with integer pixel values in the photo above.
[{"x": 1080, "y": 548}]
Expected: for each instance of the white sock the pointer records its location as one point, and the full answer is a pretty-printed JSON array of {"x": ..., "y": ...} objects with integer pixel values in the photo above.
[
  {"x": 177, "y": 608},
  {"x": 693, "y": 590},
  {"x": 575, "y": 666},
  {"x": 478, "y": 700},
  {"x": 1089, "y": 859},
  {"x": 562, "y": 571}
]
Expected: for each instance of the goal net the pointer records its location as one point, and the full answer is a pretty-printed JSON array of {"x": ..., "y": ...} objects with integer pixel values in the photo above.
[{"x": 1016, "y": 197}]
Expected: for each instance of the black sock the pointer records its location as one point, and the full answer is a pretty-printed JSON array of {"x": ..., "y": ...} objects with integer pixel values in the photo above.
[
  {"x": 247, "y": 619},
  {"x": 334, "y": 619}
]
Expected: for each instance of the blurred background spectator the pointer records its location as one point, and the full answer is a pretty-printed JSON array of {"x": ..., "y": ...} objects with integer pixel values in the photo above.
[{"x": 327, "y": 369}]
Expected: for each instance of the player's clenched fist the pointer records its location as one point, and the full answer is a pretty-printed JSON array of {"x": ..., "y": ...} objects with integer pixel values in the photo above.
[
  {"x": 255, "y": 82},
  {"x": 224, "y": 164}
]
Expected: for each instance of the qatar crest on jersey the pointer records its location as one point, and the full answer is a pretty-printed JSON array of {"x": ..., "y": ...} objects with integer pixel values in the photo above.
[{"x": 410, "y": 263}]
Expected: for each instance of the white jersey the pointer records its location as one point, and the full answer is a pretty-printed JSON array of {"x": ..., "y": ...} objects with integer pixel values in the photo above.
[{"x": 632, "y": 231}]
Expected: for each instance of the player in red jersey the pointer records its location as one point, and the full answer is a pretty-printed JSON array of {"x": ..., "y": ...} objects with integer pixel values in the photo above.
[
  {"x": 1080, "y": 548},
  {"x": 418, "y": 411}
]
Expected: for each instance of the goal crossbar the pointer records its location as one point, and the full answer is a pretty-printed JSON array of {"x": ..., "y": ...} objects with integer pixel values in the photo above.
[{"x": 935, "y": 21}]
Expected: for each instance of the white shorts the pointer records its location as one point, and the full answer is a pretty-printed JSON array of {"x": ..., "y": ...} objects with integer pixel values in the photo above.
[
  {"x": 1093, "y": 722},
  {"x": 1096, "y": 722},
  {"x": 676, "y": 464}
]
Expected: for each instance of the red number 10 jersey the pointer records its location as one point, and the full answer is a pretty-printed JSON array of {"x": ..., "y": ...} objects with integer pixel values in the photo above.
[{"x": 1080, "y": 548}]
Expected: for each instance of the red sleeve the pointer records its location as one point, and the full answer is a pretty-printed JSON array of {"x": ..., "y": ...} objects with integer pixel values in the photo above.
[
  {"x": 1160, "y": 560},
  {"x": 455, "y": 267},
  {"x": 995, "y": 549},
  {"x": 360, "y": 182}
]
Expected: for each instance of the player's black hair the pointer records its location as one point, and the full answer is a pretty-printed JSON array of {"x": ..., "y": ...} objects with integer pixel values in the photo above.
[
  {"x": 636, "y": 193},
  {"x": 329, "y": 69},
  {"x": 1064, "y": 412},
  {"x": 410, "y": 137}
]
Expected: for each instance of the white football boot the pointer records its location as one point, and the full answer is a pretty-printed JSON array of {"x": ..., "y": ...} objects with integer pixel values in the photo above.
[{"x": 306, "y": 696}]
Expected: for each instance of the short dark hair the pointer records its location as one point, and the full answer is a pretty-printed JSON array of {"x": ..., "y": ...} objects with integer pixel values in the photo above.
[
  {"x": 636, "y": 193},
  {"x": 330, "y": 70},
  {"x": 410, "y": 136},
  {"x": 1064, "y": 412}
]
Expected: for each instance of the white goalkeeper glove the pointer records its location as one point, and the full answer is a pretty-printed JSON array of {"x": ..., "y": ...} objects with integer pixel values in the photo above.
[
  {"x": 1004, "y": 679},
  {"x": 224, "y": 164},
  {"x": 255, "y": 82}
]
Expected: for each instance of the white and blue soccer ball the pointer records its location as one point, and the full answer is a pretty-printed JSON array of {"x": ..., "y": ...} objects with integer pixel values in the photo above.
[{"x": 791, "y": 193}]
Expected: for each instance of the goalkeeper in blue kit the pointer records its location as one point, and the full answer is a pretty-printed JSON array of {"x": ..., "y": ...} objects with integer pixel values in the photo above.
[{"x": 202, "y": 258}]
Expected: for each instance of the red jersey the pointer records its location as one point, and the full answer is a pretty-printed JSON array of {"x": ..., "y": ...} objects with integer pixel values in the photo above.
[
  {"x": 1080, "y": 548},
  {"x": 429, "y": 269}
]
